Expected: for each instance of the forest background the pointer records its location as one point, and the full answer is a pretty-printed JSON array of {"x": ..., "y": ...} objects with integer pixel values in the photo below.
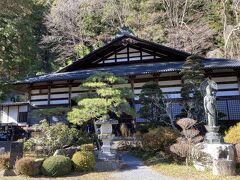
[{"x": 41, "y": 36}]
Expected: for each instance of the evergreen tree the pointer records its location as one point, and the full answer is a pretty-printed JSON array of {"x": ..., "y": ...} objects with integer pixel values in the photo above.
[
  {"x": 101, "y": 100},
  {"x": 192, "y": 101},
  {"x": 153, "y": 108}
]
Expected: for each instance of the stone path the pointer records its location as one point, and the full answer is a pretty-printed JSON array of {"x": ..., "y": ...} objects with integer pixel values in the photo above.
[{"x": 137, "y": 171}]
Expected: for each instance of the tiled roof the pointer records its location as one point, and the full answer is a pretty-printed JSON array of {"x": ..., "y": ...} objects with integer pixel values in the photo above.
[{"x": 130, "y": 69}]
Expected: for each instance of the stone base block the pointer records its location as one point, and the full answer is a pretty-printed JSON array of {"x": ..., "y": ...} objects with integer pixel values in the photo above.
[
  {"x": 224, "y": 167},
  {"x": 112, "y": 155},
  {"x": 215, "y": 157}
]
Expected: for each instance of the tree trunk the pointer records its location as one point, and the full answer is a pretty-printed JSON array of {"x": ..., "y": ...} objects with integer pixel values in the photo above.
[{"x": 95, "y": 129}]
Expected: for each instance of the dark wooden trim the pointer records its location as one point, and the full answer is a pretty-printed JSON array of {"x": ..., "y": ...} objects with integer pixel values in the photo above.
[
  {"x": 35, "y": 100},
  {"x": 50, "y": 106},
  {"x": 18, "y": 114},
  {"x": 115, "y": 56},
  {"x": 52, "y": 99},
  {"x": 238, "y": 80},
  {"x": 70, "y": 96},
  {"x": 49, "y": 94},
  {"x": 8, "y": 115},
  {"x": 127, "y": 52},
  {"x": 140, "y": 49}
]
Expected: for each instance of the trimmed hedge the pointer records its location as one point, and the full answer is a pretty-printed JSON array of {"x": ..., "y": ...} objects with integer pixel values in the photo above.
[
  {"x": 56, "y": 166},
  {"x": 26, "y": 166},
  {"x": 84, "y": 161},
  {"x": 87, "y": 147}
]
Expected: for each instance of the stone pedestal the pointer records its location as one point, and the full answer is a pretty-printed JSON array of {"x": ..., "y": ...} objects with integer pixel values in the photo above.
[
  {"x": 219, "y": 158},
  {"x": 212, "y": 136},
  {"x": 106, "y": 153}
]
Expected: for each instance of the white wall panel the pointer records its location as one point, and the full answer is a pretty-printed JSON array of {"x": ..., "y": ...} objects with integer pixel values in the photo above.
[
  {"x": 227, "y": 93},
  {"x": 5, "y": 115},
  {"x": 23, "y": 108},
  {"x": 122, "y": 85},
  {"x": 225, "y": 79},
  {"x": 122, "y": 60},
  {"x": 134, "y": 59},
  {"x": 121, "y": 56},
  {"x": 13, "y": 114},
  {"x": 171, "y": 89},
  {"x": 148, "y": 57},
  {"x": 109, "y": 61},
  {"x": 38, "y": 103},
  {"x": 36, "y": 91},
  {"x": 75, "y": 94},
  {"x": 59, "y": 102},
  {"x": 134, "y": 54},
  {"x": 228, "y": 86},
  {"x": 138, "y": 84},
  {"x": 66, "y": 89},
  {"x": 36, "y": 97},
  {"x": 54, "y": 96},
  {"x": 172, "y": 82}
]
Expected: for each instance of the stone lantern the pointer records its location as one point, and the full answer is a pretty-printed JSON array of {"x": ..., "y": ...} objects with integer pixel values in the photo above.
[{"x": 106, "y": 153}]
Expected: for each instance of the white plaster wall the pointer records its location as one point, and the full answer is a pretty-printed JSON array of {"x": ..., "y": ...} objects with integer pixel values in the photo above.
[
  {"x": 4, "y": 117},
  {"x": 13, "y": 114}
]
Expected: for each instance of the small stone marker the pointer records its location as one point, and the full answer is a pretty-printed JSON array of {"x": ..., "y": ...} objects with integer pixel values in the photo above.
[{"x": 16, "y": 152}]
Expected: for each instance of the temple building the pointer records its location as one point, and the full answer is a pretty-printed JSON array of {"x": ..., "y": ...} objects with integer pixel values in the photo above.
[{"x": 138, "y": 61}]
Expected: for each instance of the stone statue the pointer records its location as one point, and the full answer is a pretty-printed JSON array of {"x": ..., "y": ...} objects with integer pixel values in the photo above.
[
  {"x": 209, "y": 89},
  {"x": 210, "y": 103}
]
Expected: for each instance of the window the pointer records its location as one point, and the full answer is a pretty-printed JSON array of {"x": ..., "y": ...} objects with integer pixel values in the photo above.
[{"x": 22, "y": 116}]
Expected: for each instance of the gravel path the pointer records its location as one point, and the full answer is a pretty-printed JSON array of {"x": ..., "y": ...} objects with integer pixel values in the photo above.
[{"x": 137, "y": 171}]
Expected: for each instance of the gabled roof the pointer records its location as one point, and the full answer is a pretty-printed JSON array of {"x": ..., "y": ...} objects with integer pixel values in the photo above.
[
  {"x": 118, "y": 43},
  {"x": 131, "y": 69}
]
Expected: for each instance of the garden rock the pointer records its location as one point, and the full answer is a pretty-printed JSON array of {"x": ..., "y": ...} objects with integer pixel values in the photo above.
[
  {"x": 59, "y": 152},
  {"x": 71, "y": 150}
]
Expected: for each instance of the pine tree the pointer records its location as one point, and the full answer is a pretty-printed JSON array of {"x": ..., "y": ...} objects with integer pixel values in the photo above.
[
  {"x": 153, "y": 108},
  {"x": 192, "y": 100},
  {"x": 101, "y": 100}
]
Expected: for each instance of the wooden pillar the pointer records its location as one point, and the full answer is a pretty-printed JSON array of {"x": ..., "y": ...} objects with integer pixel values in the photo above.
[
  {"x": 29, "y": 106},
  {"x": 70, "y": 93},
  {"x": 8, "y": 114},
  {"x": 208, "y": 73},
  {"x": 127, "y": 52},
  {"x": 131, "y": 79},
  {"x": 156, "y": 77},
  {"x": 140, "y": 48},
  {"x": 49, "y": 93},
  {"x": 238, "y": 81},
  {"x": 18, "y": 114}
]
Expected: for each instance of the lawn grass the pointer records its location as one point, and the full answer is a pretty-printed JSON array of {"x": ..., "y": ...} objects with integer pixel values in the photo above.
[
  {"x": 72, "y": 176},
  {"x": 188, "y": 172}
]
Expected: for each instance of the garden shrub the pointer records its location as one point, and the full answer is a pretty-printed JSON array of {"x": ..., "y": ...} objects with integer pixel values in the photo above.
[
  {"x": 232, "y": 135},
  {"x": 158, "y": 138},
  {"x": 4, "y": 161},
  {"x": 26, "y": 166},
  {"x": 189, "y": 138},
  {"x": 28, "y": 145},
  {"x": 84, "y": 161},
  {"x": 56, "y": 166},
  {"x": 87, "y": 147}
]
